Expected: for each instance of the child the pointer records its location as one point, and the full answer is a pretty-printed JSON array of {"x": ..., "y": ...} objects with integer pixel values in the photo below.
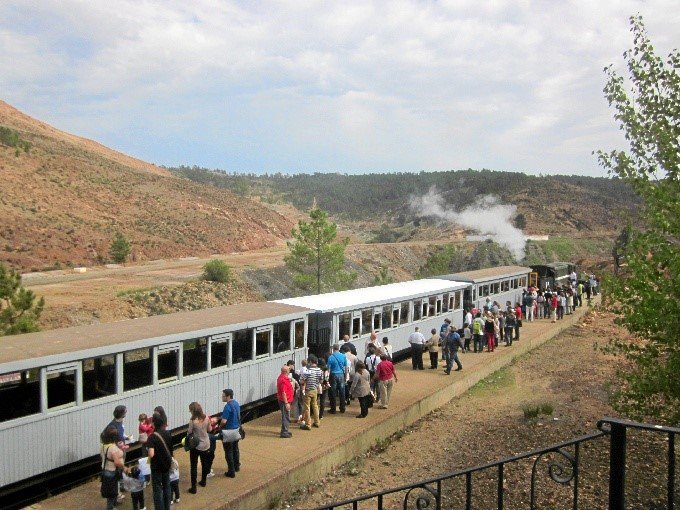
[
  {"x": 145, "y": 469},
  {"x": 174, "y": 485},
  {"x": 134, "y": 484},
  {"x": 467, "y": 334},
  {"x": 145, "y": 428}
]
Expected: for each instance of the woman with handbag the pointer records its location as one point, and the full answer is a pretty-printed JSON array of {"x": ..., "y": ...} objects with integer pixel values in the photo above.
[
  {"x": 160, "y": 457},
  {"x": 112, "y": 466},
  {"x": 361, "y": 388},
  {"x": 198, "y": 444}
]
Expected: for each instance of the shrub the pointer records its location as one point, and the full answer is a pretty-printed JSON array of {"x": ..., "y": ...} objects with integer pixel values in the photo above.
[{"x": 216, "y": 271}]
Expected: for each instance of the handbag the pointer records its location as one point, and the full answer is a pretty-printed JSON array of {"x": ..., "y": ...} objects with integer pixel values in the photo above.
[
  {"x": 109, "y": 488},
  {"x": 191, "y": 442}
]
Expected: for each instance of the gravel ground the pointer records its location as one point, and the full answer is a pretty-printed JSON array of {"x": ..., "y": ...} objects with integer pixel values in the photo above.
[{"x": 567, "y": 376}]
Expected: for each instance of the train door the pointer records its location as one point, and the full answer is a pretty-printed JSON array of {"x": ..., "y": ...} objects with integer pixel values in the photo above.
[
  {"x": 396, "y": 315},
  {"x": 467, "y": 297}
]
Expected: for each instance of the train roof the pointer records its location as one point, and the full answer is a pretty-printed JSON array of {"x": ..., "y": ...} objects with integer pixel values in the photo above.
[
  {"x": 97, "y": 339},
  {"x": 374, "y": 296},
  {"x": 483, "y": 275}
]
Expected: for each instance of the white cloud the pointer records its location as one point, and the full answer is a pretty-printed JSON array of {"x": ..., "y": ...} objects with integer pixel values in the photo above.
[{"x": 351, "y": 86}]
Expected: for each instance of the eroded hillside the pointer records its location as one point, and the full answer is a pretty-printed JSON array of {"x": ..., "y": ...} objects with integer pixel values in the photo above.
[{"x": 64, "y": 199}]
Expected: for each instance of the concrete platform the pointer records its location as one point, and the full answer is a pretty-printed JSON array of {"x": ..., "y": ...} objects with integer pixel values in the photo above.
[{"x": 271, "y": 467}]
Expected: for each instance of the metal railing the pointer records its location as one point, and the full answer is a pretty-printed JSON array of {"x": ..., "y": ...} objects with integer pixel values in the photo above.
[{"x": 563, "y": 468}]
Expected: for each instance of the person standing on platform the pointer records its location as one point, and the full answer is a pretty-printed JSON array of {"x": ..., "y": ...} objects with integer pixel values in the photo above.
[
  {"x": 199, "y": 426},
  {"x": 346, "y": 342},
  {"x": 387, "y": 375},
  {"x": 159, "y": 445},
  {"x": 231, "y": 421},
  {"x": 451, "y": 345},
  {"x": 417, "y": 341},
  {"x": 337, "y": 365},
  {"x": 433, "y": 348},
  {"x": 284, "y": 394},
  {"x": 351, "y": 363},
  {"x": 311, "y": 380},
  {"x": 361, "y": 388}
]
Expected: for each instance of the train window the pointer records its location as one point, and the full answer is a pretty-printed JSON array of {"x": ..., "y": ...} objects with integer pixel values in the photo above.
[
  {"x": 168, "y": 363},
  {"x": 218, "y": 352},
  {"x": 99, "y": 377},
  {"x": 137, "y": 369},
  {"x": 19, "y": 394},
  {"x": 299, "y": 334},
  {"x": 496, "y": 288},
  {"x": 282, "y": 336},
  {"x": 424, "y": 306},
  {"x": 438, "y": 307},
  {"x": 505, "y": 285},
  {"x": 376, "y": 321},
  {"x": 404, "y": 314},
  {"x": 485, "y": 291},
  {"x": 514, "y": 283},
  {"x": 387, "y": 317},
  {"x": 195, "y": 356},
  {"x": 523, "y": 281},
  {"x": 445, "y": 303},
  {"x": 417, "y": 311},
  {"x": 344, "y": 324},
  {"x": 356, "y": 326},
  {"x": 395, "y": 317},
  {"x": 458, "y": 300},
  {"x": 262, "y": 339},
  {"x": 474, "y": 293},
  {"x": 366, "y": 321},
  {"x": 242, "y": 346},
  {"x": 61, "y": 388}
]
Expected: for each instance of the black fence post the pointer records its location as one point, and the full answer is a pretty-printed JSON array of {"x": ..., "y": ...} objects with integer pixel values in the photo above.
[{"x": 617, "y": 466}]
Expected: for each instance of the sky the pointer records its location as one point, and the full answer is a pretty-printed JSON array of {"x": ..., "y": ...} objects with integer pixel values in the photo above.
[{"x": 350, "y": 87}]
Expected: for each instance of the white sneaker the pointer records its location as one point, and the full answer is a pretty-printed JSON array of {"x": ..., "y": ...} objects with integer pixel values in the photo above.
[
  {"x": 177, "y": 500},
  {"x": 211, "y": 474}
]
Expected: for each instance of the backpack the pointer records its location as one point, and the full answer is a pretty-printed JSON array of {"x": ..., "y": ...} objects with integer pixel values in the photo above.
[
  {"x": 370, "y": 363},
  {"x": 476, "y": 328}
]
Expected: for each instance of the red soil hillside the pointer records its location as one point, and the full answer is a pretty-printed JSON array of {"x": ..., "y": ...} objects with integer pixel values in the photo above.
[{"x": 63, "y": 201}]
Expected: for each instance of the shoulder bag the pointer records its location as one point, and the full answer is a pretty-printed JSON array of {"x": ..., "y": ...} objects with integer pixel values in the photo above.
[{"x": 174, "y": 465}]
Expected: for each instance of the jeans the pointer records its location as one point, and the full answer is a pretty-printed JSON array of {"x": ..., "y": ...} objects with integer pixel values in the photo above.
[
  {"x": 479, "y": 346},
  {"x": 285, "y": 418},
  {"x": 162, "y": 493},
  {"x": 490, "y": 340},
  {"x": 232, "y": 456},
  {"x": 517, "y": 332},
  {"x": 451, "y": 358},
  {"x": 110, "y": 502},
  {"x": 206, "y": 457},
  {"x": 530, "y": 313},
  {"x": 337, "y": 391}
]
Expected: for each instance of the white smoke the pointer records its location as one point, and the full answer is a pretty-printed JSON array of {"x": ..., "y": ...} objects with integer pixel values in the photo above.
[{"x": 486, "y": 216}]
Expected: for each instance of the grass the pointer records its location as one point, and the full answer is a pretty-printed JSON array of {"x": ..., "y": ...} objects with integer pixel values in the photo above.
[
  {"x": 533, "y": 411},
  {"x": 503, "y": 378}
]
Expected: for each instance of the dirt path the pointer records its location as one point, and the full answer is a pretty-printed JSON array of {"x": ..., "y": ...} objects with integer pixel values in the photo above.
[{"x": 488, "y": 423}]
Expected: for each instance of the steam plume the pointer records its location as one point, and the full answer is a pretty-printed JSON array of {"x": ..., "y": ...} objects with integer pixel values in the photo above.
[{"x": 487, "y": 216}]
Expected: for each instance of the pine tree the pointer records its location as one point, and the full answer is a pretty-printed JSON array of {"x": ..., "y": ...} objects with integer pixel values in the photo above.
[
  {"x": 120, "y": 249},
  {"x": 19, "y": 313},
  {"x": 316, "y": 258},
  {"x": 646, "y": 292}
]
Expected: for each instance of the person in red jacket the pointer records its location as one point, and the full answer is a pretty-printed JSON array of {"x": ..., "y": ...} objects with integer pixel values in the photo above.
[
  {"x": 284, "y": 394},
  {"x": 518, "y": 320}
]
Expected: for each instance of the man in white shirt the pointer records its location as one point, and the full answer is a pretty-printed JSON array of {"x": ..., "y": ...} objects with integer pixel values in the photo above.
[
  {"x": 417, "y": 341},
  {"x": 468, "y": 319}
]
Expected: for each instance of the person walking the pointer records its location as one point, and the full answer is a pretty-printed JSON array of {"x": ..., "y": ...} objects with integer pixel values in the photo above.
[
  {"x": 417, "y": 341},
  {"x": 199, "y": 426},
  {"x": 490, "y": 332},
  {"x": 284, "y": 394},
  {"x": 231, "y": 422},
  {"x": 159, "y": 446},
  {"x": 451, "y": 345},
  {"x": 361, "y": 388},
  {"x": 387, "y": 375}
]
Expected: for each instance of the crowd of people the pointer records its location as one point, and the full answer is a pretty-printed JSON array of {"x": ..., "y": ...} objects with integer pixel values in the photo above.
[
  {"x": 157, "y": 466},
  {"x": 302, "y": 393}
]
